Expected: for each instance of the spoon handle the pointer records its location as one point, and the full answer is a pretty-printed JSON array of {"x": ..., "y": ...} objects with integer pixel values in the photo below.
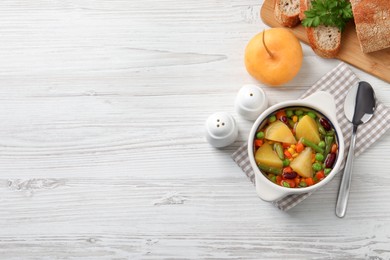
[{"x": 342, "y": 199}]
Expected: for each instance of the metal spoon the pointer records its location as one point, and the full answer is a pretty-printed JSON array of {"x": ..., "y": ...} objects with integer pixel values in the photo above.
[{"x": 359, "y": 107}]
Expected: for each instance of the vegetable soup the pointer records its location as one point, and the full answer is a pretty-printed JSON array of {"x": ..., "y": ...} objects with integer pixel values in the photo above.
[{"x": 296, "y": 147}]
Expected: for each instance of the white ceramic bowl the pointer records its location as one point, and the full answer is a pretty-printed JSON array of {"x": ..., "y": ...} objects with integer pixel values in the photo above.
[{"x": 321, "y": 102}]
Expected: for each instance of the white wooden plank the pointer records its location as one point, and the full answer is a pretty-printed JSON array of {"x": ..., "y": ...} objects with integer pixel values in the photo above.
[{"x": 102, "y": 156}]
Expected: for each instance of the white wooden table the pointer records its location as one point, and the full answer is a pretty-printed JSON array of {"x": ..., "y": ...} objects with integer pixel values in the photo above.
[{"x": 102, "y": 105}]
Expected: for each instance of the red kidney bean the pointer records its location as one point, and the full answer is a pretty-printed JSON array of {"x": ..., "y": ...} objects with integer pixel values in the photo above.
[
  {"x": 325, "y": 124},
  {"x": 284, "y": 119},
  {"x": 289, "y": 175},
  {"x": 330, "y": 159}
]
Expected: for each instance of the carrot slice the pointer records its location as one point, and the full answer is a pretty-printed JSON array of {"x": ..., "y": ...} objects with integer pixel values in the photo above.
[
  {"x": 334, "y": 148},
  {"x": 258, "y": 142},
  {"x": 279, "y": 179},
  {"x": 299, "y": 147},
  {"x": 309, "y": 181},
  {"x": 287, "y": 154},
  {"x": 320, "y": 175},
  {"x": 280, "y": 113}
]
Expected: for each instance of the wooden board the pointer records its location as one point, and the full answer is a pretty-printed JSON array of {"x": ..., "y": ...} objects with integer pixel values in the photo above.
[{"x": 376, "y": 63}]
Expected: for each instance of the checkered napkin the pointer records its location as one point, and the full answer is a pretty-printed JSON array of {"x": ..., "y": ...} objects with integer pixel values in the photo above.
[{"x": 337, "y": 82}]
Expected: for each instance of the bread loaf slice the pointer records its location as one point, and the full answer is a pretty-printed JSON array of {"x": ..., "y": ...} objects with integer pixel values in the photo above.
[
  {"x": 324, "y": 40},
  {"x": 372, "y": 20},
  {"x": 287, "y": 12},
  {"x": 303, "y": 6}
]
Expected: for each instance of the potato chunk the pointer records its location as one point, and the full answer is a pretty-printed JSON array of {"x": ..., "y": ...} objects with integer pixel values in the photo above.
[
  {"x": 307, "y": 128},
  {"x": 265, "y": 155},
  {"x": 302, "y": 163},
  {"x": 278, "y": 131}
]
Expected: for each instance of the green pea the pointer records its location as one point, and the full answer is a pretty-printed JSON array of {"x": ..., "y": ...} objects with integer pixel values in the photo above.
[
  {"x": 311, "y": 114},
  {"x": 286, "y": 162},
  {"x": 273, "y": 179},
  {"x": 285, "y": 184},
  {"x": 272, "y": 118},
  {"x": 321, "y": 144},
  {"x": 320, "y": 157},
  {"x": 317, "y": 166},
  {"x": 298, "y": 112},
  {"x": 302, "y": 184},
  {"x": 260, "y": 135},
  {"x": 327, "y": 171},
  {"x": 289, "y": 113}
]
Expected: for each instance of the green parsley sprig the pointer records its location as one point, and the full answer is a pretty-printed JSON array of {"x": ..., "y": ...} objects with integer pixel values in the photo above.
[{"x": 328, "y": 12}]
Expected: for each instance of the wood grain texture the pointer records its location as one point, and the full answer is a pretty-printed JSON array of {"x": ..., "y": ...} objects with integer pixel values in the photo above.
[
  {"x": 376, "y": 63},
  {"x": 103, "y": 156}
]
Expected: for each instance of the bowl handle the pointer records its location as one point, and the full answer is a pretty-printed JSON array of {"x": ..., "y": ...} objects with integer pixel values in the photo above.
[
  {"x": 265, "y": 192},
  {"x": 323, "y": 100}
]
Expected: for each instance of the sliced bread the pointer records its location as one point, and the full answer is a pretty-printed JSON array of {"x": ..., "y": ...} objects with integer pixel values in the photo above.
[
  {"x": 287, "y": 12},
  {"x": 372, "y": 20},
  {"x": 303, "y": 6},
  {"x": 324, "y": 40}
]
